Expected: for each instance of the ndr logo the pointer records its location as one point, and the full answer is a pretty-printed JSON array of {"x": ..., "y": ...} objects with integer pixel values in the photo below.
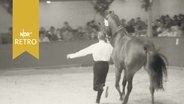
[
  {"x": 25, "y": 34},
  {"x": 25, "y": 41}
]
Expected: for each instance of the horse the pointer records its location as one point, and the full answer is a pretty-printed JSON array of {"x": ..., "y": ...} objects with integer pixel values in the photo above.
[{"x": 130, "y": 54}]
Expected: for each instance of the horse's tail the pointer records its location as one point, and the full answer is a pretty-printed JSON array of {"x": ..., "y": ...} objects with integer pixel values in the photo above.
[{"x": 157, "y": 69}]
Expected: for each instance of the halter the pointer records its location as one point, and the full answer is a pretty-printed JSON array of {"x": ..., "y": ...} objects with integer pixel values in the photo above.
[
  {"x": 106, "y": 36},
  {"x": 120, "y": 28}
]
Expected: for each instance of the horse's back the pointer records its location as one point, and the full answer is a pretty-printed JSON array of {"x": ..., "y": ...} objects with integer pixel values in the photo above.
[
  {"x": 131, "y": 52},
  {"x": 135, "y": 52},
  {"x": 140, "y": 44}
]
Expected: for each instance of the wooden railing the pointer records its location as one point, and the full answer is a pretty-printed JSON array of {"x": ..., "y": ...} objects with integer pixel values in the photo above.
[{"x": 54, "y": 54}]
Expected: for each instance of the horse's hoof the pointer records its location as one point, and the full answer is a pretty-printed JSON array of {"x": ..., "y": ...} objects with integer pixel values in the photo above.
[
  {"x": 124, "y": 102},
  {"x": 121, "y": 98}
]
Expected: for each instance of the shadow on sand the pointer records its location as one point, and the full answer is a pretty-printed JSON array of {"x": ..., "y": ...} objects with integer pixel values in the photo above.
[
  {"x": 147, "y": 101},
  {"x": 111, "y": 103}
]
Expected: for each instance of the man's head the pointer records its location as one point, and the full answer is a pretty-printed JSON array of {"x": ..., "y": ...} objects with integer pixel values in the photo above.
[{"x": 101, "y": 36}]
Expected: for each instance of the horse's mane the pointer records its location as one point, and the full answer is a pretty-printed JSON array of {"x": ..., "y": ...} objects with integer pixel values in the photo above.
[
  {"x": 115, "y": 18},
  {"x": 120, "y": 33},
  {"x": 117, "y": 21}
]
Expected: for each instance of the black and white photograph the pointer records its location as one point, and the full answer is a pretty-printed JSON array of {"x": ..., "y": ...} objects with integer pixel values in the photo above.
[{"x": 94, "y": 52}]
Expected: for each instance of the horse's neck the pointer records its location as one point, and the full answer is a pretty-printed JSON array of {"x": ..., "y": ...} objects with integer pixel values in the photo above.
[
  {"x": 115, "y": 27},
  {"x": 121, "y": 38},
  {"x": 118, "y": 33},
  {"x": 117, "y": 39}
]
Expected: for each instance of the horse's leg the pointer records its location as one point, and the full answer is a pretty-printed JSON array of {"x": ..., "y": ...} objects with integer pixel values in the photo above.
[
  {"x": 129, "y": 88},
  {"x": 124, "y": 83},
  {"x": 152, "y": 90},
  {"x": 118, "y": 76}
]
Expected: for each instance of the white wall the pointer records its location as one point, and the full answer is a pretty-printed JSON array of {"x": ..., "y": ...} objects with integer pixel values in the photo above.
[
  {"x": 5, "y": 20},
  {"x": 77, "y": 13},
  {"x": 128, "y": 9},
  {"x": 172, "y": 7}
]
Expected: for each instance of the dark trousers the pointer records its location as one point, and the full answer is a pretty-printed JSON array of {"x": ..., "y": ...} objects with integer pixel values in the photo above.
[{"x": 100, "y": 70}]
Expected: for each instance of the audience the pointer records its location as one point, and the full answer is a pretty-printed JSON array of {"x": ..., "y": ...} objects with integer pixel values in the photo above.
[
  {"x": 130, "y": 27},
  {"x": 67, "y": 31},
  {"x": 6, "y": 38},
  {"x": 171, "y": 27},
  {"x": 59, "y": 34},
  {"x": 81, "y": 33},
  {"x": 162, "y": 27},
  {"x": 51, "y": 34},
  {"x": 140, "y": 27},
  {"x": 88, "y": 30},
  {"x": 43, "y": 37}
]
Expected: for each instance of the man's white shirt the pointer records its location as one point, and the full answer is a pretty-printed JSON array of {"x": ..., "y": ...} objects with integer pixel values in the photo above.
[{"x": 100, "y": 51}]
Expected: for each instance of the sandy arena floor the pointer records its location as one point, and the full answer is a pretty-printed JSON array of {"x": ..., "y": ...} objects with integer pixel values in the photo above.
[{"x": 74, "y": 86}]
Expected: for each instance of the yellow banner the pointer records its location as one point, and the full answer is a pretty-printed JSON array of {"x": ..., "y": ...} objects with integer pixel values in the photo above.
[{"x": 26, "y": 27}]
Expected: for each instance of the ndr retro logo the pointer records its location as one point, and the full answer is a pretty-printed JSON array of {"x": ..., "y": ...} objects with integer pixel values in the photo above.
[{"x": 25, "y": 39}]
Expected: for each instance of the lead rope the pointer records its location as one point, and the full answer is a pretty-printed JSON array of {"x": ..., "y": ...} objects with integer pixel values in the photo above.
[{"x": 106, "y": 36}]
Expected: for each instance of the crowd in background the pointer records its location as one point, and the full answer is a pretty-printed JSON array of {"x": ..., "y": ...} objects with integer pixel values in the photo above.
[
  {"x": 88, "y": 32},
  {"x": 136, "y": 27},
  {"x": 169, "y": 26},
  {"x": 162, "y": 27}
]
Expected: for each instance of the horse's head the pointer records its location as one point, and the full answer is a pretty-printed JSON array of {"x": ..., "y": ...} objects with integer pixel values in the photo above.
[{"x": 112, "y": 23}]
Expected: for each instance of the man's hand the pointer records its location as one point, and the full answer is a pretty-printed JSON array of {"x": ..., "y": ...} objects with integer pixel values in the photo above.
[{"x": 69, "y": 56}]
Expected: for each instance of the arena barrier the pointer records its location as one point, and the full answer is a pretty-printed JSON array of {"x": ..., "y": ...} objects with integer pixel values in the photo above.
[{"x": 54, "y": 54}]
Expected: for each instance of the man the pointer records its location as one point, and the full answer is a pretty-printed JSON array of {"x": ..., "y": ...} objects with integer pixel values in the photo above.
[{"x": 101, "y": 53}]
